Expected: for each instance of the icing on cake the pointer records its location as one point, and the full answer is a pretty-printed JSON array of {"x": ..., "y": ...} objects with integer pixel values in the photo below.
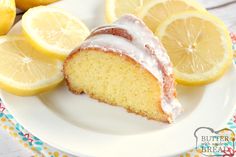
[{"x": 129, "y": 36}]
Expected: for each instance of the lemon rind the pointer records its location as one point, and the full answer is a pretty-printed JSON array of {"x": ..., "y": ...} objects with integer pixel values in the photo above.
[
  {"x": 28, "y": 92},
  {"x": 25, "y": 5},
  {"x": 8, "y": 14},
  {"x": 110, "y": 11}
]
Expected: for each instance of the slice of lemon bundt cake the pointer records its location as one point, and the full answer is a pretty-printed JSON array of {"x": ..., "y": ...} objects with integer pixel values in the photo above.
[{"x": 123, "y": 64}]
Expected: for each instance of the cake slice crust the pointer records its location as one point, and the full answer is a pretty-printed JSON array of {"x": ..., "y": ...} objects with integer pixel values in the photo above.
[{"x": 115, "y": 80}]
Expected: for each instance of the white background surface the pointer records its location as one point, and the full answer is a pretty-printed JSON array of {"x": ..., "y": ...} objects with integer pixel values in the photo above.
[{"x": 10, "y": 148}]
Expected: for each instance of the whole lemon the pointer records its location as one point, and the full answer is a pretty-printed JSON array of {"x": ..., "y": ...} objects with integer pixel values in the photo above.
[
  {"x": 7, "y": 15},
  {"x": 26, "y": 4}
]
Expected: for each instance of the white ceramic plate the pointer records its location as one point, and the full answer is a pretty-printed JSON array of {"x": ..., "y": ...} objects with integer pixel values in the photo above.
[{"x": 82, "y": 126}]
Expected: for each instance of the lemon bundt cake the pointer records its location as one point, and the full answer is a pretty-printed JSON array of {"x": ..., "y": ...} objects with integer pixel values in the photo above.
[{"x": 123, "y": 64}]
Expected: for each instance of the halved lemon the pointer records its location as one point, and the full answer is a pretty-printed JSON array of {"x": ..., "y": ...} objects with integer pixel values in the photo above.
[
  {"x": 117, "y": 8},
  {"x": 26, "y": 4},
  {"x": 199, "y": 47},
  {"x": 53, "y": 31},
  {"x": 7, "y": 15},
  {"x": 155, "y": 12},
  {"x": 23, "y": 70}
]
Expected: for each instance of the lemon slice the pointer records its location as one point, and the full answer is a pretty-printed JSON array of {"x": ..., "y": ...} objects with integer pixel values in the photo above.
[
  {"x": 117, "y": 8},
  {"x": 199, "y": 47},
  {"x": 7, "y": 15},
  {"x": 26, "y": 4},
  {"x": 53, "y": 31},
  {"x": 156, "y": 11},
  {"x": 23, "y": 70}
]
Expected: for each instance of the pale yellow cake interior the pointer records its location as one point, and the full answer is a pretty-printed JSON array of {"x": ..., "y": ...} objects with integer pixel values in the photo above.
[{"x": 116, "y": 80}]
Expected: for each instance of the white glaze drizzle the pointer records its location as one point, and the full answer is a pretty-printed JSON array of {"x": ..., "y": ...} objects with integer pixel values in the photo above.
[
  {"x": 121, "y": 46},
  {"x": 136, "y": 49}
]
